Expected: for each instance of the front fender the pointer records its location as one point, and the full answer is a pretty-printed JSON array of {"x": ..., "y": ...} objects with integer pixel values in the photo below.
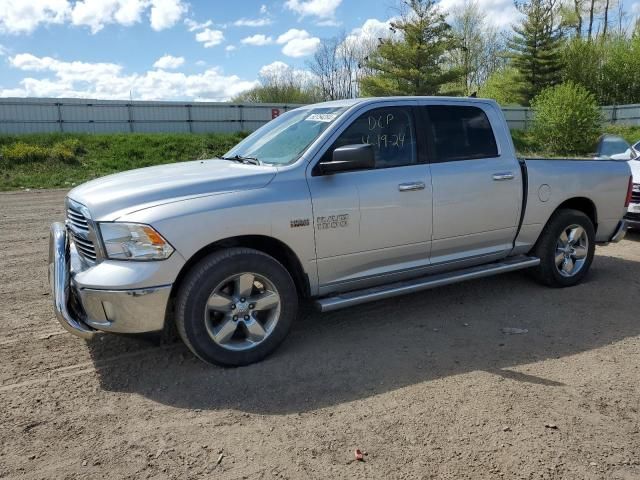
[{"x": 193, "y": 224}]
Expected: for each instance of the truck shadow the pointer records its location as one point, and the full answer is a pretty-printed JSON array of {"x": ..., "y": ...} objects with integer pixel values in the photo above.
[{"x": 347, "y": 355}]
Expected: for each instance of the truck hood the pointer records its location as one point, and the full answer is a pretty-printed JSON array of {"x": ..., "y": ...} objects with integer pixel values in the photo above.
[{"x": 113, "y": 196}]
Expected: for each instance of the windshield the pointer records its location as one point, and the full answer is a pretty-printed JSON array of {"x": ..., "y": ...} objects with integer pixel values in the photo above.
[{"x": 283, "y": 140}]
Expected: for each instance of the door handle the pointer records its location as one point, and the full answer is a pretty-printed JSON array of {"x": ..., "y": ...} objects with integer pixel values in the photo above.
[
  {"x": 498, "y": 177},
  {"x": 411, "y": 186}
]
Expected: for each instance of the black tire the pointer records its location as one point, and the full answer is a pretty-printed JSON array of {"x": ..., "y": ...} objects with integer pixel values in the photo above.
[
  {"x": 205, "y": 277},
  {"x": 548, "y": 273}
]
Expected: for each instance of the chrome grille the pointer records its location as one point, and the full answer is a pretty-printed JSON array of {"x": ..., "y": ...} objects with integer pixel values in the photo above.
[
  {"x": 80, "y": 231},
  {"x": 77, "y": 219},
  {"x": 635, "y": 196}
]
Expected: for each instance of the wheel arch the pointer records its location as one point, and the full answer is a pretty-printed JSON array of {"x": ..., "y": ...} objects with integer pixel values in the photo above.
[
  {"x": 582, "y": 204},
  {"x": 269, "y": 245}
]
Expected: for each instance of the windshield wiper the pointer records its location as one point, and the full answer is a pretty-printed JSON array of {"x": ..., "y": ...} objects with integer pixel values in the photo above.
[{"x": 241, "y": 159}]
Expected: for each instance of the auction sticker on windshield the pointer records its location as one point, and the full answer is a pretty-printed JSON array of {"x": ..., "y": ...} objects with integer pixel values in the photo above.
[{"x": 321, "y": 117}]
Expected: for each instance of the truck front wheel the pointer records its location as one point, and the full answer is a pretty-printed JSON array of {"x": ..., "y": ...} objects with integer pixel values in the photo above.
[
  {"x": 236, "y": 306},
  {"x": 565, "y": 248}
]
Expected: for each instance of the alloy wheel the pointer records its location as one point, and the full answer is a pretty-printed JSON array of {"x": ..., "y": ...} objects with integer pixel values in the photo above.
[
  {"x": 572, "y": 248},
  {"x": 242, "y": 311}
]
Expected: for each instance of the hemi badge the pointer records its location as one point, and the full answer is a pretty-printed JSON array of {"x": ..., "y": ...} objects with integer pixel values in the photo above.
[{"x": 300, "y": 222}]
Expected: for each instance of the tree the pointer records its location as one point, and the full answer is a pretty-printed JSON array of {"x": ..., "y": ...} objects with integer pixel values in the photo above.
[
  {"x": 578, "y": 8},
  {"x": 566, "y": 119},
  {"x": 480, "y": 50},
  {"x": 607, "y": 67},
  {"x": 337, "y": 63},
  {"x": 605, "y": 20},
  {"x": 571, "y": 16},
  {"x": 592, "y": 12},
  {"x": 535, "y": 47},
  {"x": 414, "y": 64},
  {"x": 622, "y": 22},
  {"x": 620, "y": 71},
  {"x": 582, "y": 64},
  {"x": 503, "y": 86},
  {"x": 281, "y": 84}
]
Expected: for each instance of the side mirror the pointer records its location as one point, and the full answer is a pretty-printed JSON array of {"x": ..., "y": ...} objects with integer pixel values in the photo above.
[{"x": 350, "y": 157}]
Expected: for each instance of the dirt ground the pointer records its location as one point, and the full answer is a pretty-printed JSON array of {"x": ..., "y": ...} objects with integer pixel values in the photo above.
[{"x": 427, "y": 385}]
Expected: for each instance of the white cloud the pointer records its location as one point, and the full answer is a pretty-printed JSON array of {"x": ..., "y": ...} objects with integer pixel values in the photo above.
[
  {"x": 169, "y": 62},
  {"x": 107, "y": 81},
  {"x": 373, "y": 28},
  {"x": 500, "y": 13},
  {"x": 292, "y": 34},
  {"x": 301, "y": 47},
  {"x": 166, "y": 13},
  {"x": 315, "y": 8},
  {"x": 205, "y": 35},
  {"x": 66, "y": 71},
  {"x": 298, "y": 43},
  {"x": 281, "y": 70},
  {"x": 257, "y": 40},
  {"x": 370, "y": 31},
  {"x": 192, "y": 25},
  {"x": 24, "y": 16},
  {"x": 3, "y": 50},
  {"x": 252, "y": 22},
  {"x": 263, "y": 9},
  {"x": 95, "y": 14},
  {"x": 210, "y": 38},
  {"x": 230, "y": 48},
  {"x": 275, "y": 68}
]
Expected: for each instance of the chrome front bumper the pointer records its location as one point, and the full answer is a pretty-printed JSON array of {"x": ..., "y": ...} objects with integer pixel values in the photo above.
[{"x": 82, "y": 311}]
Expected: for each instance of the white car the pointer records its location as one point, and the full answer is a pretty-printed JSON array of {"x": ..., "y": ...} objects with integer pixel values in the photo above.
[
  {"x": 617, "y": 148},
  {"x": 633, "y": 211}
]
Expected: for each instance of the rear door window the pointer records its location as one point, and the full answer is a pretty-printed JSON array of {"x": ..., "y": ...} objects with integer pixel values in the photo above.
[{"x": 460, "y": 133}]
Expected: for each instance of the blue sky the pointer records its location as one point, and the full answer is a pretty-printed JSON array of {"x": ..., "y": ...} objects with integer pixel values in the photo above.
[{"x": 177, "y": 49}]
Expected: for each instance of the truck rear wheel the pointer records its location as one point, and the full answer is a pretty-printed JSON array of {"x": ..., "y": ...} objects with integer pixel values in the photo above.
[
  {"x": 236, "y": 306},
  {"x": 565, "y": 248}
]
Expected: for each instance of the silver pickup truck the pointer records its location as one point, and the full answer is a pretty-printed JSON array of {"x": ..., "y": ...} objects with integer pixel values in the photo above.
[{"x": 341, "y": 203}]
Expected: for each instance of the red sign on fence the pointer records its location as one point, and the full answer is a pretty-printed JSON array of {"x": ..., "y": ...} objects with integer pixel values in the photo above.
[{"x": 275, "y": 113}]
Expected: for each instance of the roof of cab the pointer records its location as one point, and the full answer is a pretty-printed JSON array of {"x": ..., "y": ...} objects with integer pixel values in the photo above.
[{"x": 363, "y": 100}]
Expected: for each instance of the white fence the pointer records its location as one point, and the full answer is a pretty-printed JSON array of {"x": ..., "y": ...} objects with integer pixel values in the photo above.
[
  {"x": 519, "y": 118},
  {"x": 30, "y": 115}
]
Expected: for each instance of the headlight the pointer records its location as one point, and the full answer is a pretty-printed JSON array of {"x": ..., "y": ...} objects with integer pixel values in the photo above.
[{"x": 133, "y": 241}]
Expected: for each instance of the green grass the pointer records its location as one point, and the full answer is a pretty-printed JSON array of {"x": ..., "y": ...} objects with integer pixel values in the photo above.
[
  {"x": 524, "y": 143},
  {"x": 65, "y": 160}
]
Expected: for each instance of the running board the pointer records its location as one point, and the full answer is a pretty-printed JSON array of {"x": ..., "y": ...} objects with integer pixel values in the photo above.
[{"x": 357, "y": 297}]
